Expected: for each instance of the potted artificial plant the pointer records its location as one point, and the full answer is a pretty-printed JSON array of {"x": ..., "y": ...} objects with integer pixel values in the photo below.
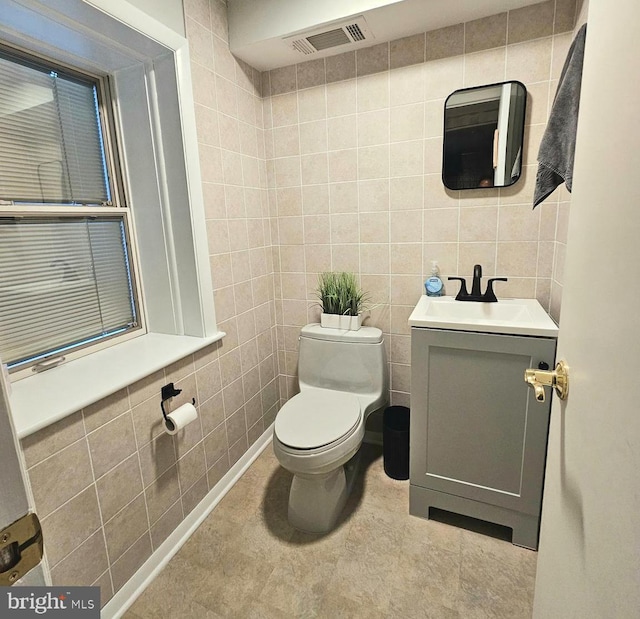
[{"x": 341, "y": 299}]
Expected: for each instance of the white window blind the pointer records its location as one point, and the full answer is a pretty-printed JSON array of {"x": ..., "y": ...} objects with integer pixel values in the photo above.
[
  {"x": 63, "y": 283},
  {"x": 50, "y": 139}
]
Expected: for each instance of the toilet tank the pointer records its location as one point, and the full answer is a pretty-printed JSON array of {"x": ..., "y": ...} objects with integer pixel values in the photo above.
[{"x": 353, "y": 361}]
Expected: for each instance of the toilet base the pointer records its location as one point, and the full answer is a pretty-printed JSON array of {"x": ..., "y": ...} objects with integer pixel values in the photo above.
[{"x": 316, "y": 501}]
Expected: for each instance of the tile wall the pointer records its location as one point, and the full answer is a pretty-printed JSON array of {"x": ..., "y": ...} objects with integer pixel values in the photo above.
[
  {"x": 353, "y": 147},
  {"x": 109, "y": 485},
  {"x": 343, "y": 174}
]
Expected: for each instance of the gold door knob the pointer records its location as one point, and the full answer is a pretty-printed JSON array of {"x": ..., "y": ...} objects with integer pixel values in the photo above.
[{"x": 558, "y": 379}]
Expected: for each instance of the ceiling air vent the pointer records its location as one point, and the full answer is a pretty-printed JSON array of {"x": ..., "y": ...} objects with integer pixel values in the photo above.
[{"x": 350, "y": 32}]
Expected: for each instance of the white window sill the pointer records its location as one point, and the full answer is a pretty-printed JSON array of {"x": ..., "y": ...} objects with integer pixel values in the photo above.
[{"x": 45, "y": 398}]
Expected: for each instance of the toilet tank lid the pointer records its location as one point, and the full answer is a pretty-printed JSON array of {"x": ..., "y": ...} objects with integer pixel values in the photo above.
[{"x": 364, "y": 335}]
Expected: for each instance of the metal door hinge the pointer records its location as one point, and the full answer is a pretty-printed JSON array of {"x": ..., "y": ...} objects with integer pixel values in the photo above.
[{"x": 21, "y": 548}]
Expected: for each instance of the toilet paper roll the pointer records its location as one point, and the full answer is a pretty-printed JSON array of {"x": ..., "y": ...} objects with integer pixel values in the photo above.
[{"x": 179, "y": 418}]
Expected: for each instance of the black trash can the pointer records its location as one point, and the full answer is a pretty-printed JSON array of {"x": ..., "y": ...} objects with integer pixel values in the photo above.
[{"x": 395, "y": 442}]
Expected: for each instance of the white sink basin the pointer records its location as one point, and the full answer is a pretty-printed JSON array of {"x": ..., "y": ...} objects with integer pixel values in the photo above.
[{"x": 511, "y": 316}]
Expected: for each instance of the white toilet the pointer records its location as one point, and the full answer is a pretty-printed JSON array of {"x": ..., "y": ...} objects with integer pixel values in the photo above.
[{"x": 343, "y": 378}]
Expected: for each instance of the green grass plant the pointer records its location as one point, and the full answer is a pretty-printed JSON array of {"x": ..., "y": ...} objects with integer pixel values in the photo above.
[{"x": 339, "y": 293}]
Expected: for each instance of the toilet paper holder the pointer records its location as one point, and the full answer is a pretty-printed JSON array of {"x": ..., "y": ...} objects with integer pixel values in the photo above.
[{"x": 166, "y": 393}]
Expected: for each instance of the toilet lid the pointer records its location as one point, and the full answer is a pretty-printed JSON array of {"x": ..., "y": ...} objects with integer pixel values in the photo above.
[{"x": 316, "y": 418}]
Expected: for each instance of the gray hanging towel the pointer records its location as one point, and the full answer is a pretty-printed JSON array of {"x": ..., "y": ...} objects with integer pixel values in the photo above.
[{"x": 555, "y": 157}]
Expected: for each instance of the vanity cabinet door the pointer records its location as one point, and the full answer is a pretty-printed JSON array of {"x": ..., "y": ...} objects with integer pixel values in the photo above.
[{"x": 476, "y": 429}]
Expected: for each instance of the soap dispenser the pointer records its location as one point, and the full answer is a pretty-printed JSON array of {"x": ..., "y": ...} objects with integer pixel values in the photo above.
[{"x": 434, "y": 286}]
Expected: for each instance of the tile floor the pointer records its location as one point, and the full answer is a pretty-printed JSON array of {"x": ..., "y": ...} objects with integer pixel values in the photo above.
[{"x": 246, "y": 561}]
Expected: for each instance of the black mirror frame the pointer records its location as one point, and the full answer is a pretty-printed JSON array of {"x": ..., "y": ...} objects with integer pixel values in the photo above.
[{"x": 444, "y": 132}]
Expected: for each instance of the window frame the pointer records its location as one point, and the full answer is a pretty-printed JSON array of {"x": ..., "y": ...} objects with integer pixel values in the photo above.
[
  {"x": 115, "y": 38},
  {"x": 117, "y": 206}
]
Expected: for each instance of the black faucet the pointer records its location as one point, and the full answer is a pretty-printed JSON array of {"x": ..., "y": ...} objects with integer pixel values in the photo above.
[{"x": 488, "y": 297}]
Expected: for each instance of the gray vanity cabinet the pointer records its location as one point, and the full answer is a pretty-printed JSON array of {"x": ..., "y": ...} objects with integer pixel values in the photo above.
[{"x": 478, "y": 436}]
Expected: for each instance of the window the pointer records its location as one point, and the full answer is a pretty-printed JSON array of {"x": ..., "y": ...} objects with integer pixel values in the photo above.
[{"x": 66, "y": 278}]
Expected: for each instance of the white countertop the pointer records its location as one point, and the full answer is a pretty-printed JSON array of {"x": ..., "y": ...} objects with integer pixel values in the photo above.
[{"x": 508, "y": 316}]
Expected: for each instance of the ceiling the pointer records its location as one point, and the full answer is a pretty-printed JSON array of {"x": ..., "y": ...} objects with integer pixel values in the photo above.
[{"x": 257, "y": 27}]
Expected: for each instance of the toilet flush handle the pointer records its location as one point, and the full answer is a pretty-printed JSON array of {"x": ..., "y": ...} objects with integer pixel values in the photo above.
[{"x": 558, "y": 379}]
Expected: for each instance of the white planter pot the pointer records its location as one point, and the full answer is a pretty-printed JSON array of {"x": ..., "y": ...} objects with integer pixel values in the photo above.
[{"x": 337, "y": 321}]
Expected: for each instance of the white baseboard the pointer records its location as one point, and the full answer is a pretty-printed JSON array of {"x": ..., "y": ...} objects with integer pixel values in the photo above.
[{"x": 133, "y": 588}]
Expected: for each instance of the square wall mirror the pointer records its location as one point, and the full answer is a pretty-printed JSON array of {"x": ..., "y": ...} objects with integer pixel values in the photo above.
[{"x": 483, "y": 136}]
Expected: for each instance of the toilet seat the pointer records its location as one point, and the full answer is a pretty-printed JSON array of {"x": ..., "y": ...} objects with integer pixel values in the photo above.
[{"x": 314, "y": 419}]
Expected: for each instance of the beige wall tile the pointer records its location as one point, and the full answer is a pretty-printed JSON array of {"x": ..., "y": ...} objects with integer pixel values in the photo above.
[
  {"x": 313, "y": 137},
  {"x": 518, "y": 259},
  {"x": 147, "y": 420},
  {"x": 317, "y": 258},
  {"x": 406, "y": 258},
  {"x": 344, "y": 228},
  {"x": 60, "y": 477},
  {"x": 284, "y": 109},
  {"x": 565, "y": 15},
  {"x": 162, "y": 493},
  {"x": 406, "y": 226},
  {"x": 315, "y": 199},
  {"x": 407, "y": 51},
  {"x": 112, "y": 443},
  {"x": 373, "y": 92},
  {"x": 60, "y": 538},
  {"x": 195, "y": 494},
  {"x": 436, "y": 195},
  {"x": 340, "y": 67},
  {"x": 216, "y": 445},
  {"x": 374, "y": 228},
  {"x": 373, "y": 127},
  {"x": 130, "y": 561},
  {"x": 341, "y": 98},
  {"x": 286, "y": 141},
  {"x": 374, "y": 59},
  {"x": 441, "y": 225},
  {"x": 345, "y": 258},
  {"x": 311, "y": 73},
  {"x": 518, "y": 224},
  {"x": 406, "y": 193},
  {"x": 312, "y": 104},
  {"x": 342, "y": 132},
  {"x": 316, "y": 230},
  {"x": 283, "y": 80},
  {"x": 445, "y": 42},
  {"x": 120, "y": 485},
  {"x": 486, "y": 33},
  {"x": 399, "y": 323},
  {"x": 406, "y": 158},
  {"x": 406, "y": 85},
  {"x": 531, "y": 22},
  {"x": 407, "y": 122},
  {"x": 443, "y": 76},
  {"x": 373, "y": 162},
  {"x": 485, "y": 67},
  {"x": 529, "y": 61},
  {"x": 471, "y": 254},
  {"x": 155, "y": 458},
  {"x": 314, "y": 169},
  {"x": 289, "y": 200},
  {"x": 166, "y": 525},
  {"x": 48, "y": 441},
  {"x": 374, "y": 258},
  {"x": 446, "y": 255},
  {"x": 84, "y": 565},
  {"x": 478, "y": 224},
  {"x": 126, "y": 527},
  {"x": 373, "y": 195},
  {"x": 561, "y": 45},
  {"x": 343, "y": 165}
]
